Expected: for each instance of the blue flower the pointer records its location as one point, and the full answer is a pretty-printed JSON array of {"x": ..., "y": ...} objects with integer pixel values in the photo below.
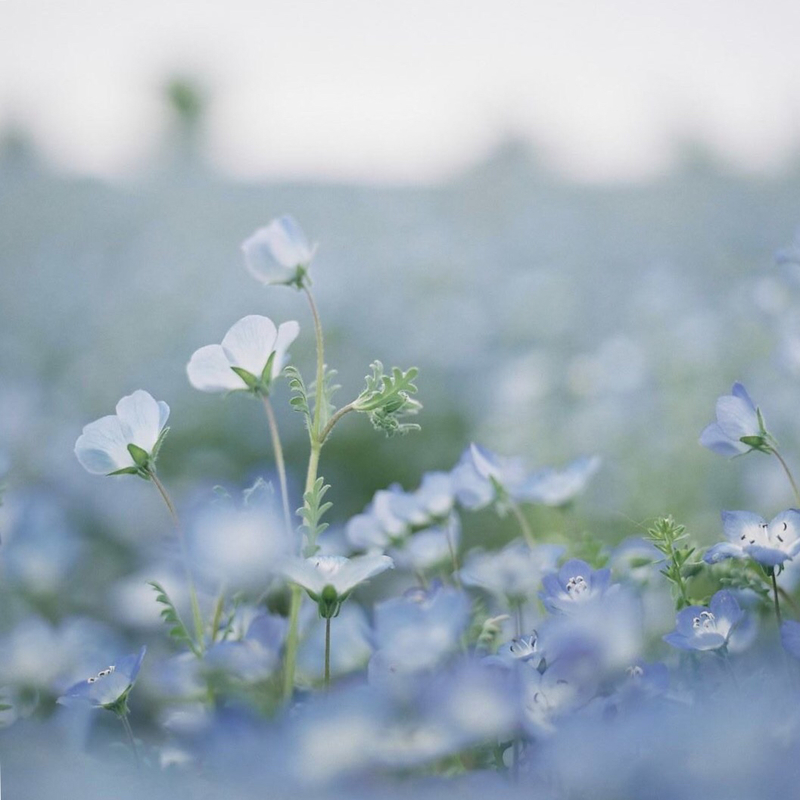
[
  {"x": 554, "y": 487},
  {"x": 575, "y": 584},
  {"x": 701, "y": 628},
  {"x": 256, "y": 656},
  {"x": 739, "y": 427},
  {"x": 749, "y": 536},
  {"x": 110, "y": 687}
]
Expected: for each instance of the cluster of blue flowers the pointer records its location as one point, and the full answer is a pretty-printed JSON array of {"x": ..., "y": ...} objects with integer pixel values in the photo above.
[{"x": 385, "y": 655}]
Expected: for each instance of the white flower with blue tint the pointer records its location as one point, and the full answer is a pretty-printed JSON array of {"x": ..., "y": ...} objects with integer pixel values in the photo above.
[
  {"x": 750, "y": 536},
  {"x": 126, "y": 442},
  {"x": 251, "y": 356},
  {"x": 739, "y": 427},
  {"x": 574, "y": 585},
  {"x": 701, "y": 628},
  {"x": 557, "y": 487},
  {"x": 790, "y": 637},
  {"x": 256, "y": 656},
  {"x": 109, "y": 688},
  {"x": 513, "y": 573},
  {"x": 279, "y": 253},
  {"x": 329, "y": 580}
]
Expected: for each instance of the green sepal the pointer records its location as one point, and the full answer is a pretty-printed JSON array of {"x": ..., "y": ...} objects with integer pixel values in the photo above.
[
  {"x": 756, "y": 442},
  {"x": 249, "y": 379},
  {"x": 266, "y": 373},
  {"x": 126, "y": 471},
  {"x": 120, "y": 705},
  {"x": 329, "y": 603},
  {"x": 140, "y": 456}
]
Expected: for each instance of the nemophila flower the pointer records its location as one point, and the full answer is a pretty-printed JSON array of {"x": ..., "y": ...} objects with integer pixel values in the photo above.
[
  {"x": 256, "y": 656},
  {"x": 329, "y": 580},
  {"x": 574, "y": 585},
  {"x": 513, "y": 573},
  {"x": 251, "y": 356},
  {"x": 482, "y": 477},
  {"x": 110, "y": 687},
  {"x": 126, "y": 442},
  {"x": 701, "y": 628},
  {"x": 520, "y": 650},
  {"x": 419, "y": 629},
  {"x": 379, "y": 525},
  {"x": 739, "y": 427},
  {"x": 426, "y": 549},
  {"x": 557, "y": 487},
  {"x": 750, "y": 536},
  {"x": 279, "y": 253}
]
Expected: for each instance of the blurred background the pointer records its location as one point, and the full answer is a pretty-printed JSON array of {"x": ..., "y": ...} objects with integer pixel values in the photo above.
[{"x": 565, "y": 214}]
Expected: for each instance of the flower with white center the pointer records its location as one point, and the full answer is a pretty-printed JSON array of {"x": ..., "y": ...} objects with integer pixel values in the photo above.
[
  {"x": 251, "y": 356},
  {"x": 750, "y": 536},
  {"x": 575, "y": 584},
  {"x": 279, "y": 254},
  {"x": 739, "y": 427},
  {"x": 701, "y": 628},
  {"x": 329, "y": 580},
  {"x": 126, "y": 442},
  {"x": 109, "y": 688}
]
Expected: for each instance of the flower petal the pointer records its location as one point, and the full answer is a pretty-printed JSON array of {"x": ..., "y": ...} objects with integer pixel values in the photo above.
[
  {"x": 249, "y": 342},
  {"x": 140, "y": 417},
  {"x": 210, "y": 371},
  {"x": 287, "y": 333},
  {"x": 103, "y": 446},
  {"x": 359, "y": 569}
]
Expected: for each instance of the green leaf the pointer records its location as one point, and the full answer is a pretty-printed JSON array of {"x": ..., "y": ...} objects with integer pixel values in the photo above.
[
  {"x": 299, "y": 400},
  {"x": 311, "y": 513},
  {"x": 126, "y": 471},
  {"x": 266, "y": 373},
  {"x": 387, "y": 398},
  {"x": 177, "y": 629}
]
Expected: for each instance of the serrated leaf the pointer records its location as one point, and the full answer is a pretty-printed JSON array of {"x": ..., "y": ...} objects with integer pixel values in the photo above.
[{"x": 169, "y": 614}]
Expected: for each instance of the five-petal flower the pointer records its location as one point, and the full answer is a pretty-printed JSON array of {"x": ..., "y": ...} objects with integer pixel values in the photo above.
[
  {"x": 701, "y": 628},
  {"x": 251, "y": 356},
  {"x": 751, "y": 536},
  {"x": 739, "y": 427},
  {"x": 110, "y": 687},
  {"x": 279, "y": 253},
  {"x": 126, "y": 441}
]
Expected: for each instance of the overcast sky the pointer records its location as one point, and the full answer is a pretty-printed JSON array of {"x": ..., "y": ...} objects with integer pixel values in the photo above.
[{"x": 412, "y": 90}]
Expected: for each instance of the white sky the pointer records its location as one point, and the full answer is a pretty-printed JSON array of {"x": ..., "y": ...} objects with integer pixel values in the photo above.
[{"x": 407, "y": 90}]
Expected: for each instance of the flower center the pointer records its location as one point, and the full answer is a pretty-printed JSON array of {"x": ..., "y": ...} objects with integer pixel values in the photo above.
[
  {"x": 577, "y": 586},
  {"x": 523, "y": 647},
  {"x": 635, "y": 672},
  {"x": 101, "y": 674},
  {"x": 705, "y": 622}
]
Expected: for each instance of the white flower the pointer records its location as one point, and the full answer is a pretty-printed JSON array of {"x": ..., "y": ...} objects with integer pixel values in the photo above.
[
  {"x": 239, "y": 363},
  {"x": 343, "y": 574},
  {"x": 278, "y": 253},
  {"x": 106, "y": 445}
]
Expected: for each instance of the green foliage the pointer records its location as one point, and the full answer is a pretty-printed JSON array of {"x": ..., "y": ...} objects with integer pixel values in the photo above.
[
  {"x": 489, "y": 634},
  {"x": 177, "y": 630},
  {"x": 299, "y": 400},
  {"x": 746, "y": 575},
  {"x": 387, "y": 398},
  {"x": 681, "y": 565},
  {"x": 312, "y": 511},
  {"x": 591, "y": 550},
  {"x": 325, "y": 397}
]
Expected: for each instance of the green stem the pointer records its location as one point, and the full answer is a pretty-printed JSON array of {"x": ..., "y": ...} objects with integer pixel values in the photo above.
[
  {"x": 290, "y": 659},
  {"x": 333, "y": 420},
  {"x": 788, "y": 472},
  {"x": 327, "y": 652},
  {"x": 523, "y": 523},
  {"x": 280, "y": 464},
  {"x": 775, "y": 596},
  {"x": 196, "y": 615},
  {"x": 320, "y": 366},
  {"x": 123, "y": 718}
]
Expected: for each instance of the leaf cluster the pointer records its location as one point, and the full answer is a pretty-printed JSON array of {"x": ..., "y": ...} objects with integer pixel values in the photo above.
[
  {"x": 681, "y": 562},
  {"x": 312, "y": 512},
  {"x": 386, "y": 399},
  {"x": 177, "y": 629}
]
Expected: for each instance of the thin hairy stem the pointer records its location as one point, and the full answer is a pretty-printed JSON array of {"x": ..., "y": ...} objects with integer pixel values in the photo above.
[
  {"x": 523, "y": 523},
  {"x": 196, "y": 615},
  {"x": 280, "y": 464},
  {"x": 123, "y": 718},
  {"x": 326, "y": 431},
  {"x": 320, "y": 365},
  {"x": 788, "y": 472},
  {"x": 327, "y": 652},
  {"x": 775, "y": 597}
]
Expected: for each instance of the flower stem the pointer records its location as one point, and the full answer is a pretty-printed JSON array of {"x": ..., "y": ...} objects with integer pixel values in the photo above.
[
  {"x": 775, "y": 596},
  {"x": 788, "y": 472},
  {"x": 523, "y": 523},
  {"x": 320, "y": 365},
  {"x": 123, "y": 718},
  {"x": 280, "y": 464},
  {"x": 197, "y": 617},
  {"x": 290, "y": 658},
  {"x": 327, "y": 652},
  {"x": 333, "y": 420}
]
